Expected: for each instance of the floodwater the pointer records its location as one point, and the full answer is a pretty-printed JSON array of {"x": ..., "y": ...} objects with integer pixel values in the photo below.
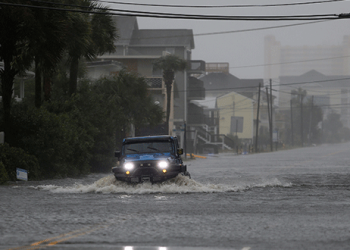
[{"x": 293, "y": 199}]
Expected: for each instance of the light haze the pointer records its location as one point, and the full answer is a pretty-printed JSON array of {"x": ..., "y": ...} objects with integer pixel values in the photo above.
[{"x": 244, "y": 50}]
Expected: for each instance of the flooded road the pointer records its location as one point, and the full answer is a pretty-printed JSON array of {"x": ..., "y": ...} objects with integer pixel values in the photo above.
[{"x": 295, "y": 199}]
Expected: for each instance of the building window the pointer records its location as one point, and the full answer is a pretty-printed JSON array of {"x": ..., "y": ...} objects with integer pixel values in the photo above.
[{"x": 236, "y": 124}]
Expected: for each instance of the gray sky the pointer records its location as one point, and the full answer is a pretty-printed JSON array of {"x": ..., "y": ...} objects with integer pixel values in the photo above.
[{"x": 247, "y": 48}]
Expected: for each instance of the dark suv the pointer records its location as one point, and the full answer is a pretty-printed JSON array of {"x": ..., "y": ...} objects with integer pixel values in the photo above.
[{"x": 149, "y": 158}]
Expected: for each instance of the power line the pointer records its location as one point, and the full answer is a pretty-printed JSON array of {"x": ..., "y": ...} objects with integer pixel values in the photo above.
[
  {"x": 220, "y": 6},
  {"x": 311, "y": 60},
  {"x": 324, "y": 95},
  {"x": 287, "y": 84},
  {"x": 324, "y": 92},
  {"x": 256, "y": 87},
  {"x": 335, "y": 106},
  {"x": 200, "y": 34},
  {"x": 344, "y": 105},
  {"x": 233, "y": 31},
  {"x": 123, "y": 12},
  {"x": 256, "y": 29},
  {"x": 319, "y": 81}
]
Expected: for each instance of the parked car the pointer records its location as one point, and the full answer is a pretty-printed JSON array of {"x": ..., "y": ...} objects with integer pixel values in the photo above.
[{"x": 149, "y": 158}]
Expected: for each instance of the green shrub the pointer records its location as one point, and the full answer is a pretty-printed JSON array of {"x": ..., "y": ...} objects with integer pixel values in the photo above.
[
  {"x": 3, "y": 174},
  {"x": 12, "y": 158},
  {"x": 72, "y": 135},
  {"x": 57, "y": 141}
]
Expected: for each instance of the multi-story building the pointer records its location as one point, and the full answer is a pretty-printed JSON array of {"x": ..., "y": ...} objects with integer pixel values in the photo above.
[
  {"x": 237, "y": 103},
  {"x": 322, "y": 70},
  {"x": 237, "y": 116},
  {"x": 297, "y": 60},
  {"x": 137, "y": 50}
]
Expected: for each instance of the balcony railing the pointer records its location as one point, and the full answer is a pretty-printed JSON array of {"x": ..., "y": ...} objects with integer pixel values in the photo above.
[
  {"x": 218, "y": 139},
  {"x": 155, "y": 82},
  {"x": 217, "y": 67}
]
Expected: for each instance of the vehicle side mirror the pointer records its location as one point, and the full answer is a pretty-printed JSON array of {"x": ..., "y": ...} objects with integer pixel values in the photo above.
[
  {"x": 180, "y": 151},
  {"x": 117, "y": 154}
]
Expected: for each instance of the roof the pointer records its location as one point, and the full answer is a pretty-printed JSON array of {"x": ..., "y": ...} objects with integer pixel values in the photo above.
[
  {"x": 165, "y": 37},
  {"x": 148, "y": 138},
  {"x": 207, "y": 103},
  {"x": 315, "y": 78},
  {"x": 227, "y": 81},
  {"x": 235, "y": 93},
  {"x": 125, "y": 25}
]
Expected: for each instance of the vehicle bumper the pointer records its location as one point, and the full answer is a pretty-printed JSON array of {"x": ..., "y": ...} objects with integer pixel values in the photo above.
[{"x": 148, "y": 174}]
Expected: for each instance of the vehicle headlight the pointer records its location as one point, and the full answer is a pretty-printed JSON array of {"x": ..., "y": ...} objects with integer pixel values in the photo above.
[
  {"x": 163, "y": 164},
  {"x": 129, "y": 166}
]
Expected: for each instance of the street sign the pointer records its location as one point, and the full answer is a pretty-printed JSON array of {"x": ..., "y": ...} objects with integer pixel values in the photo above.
[{"x": 22, "y": 174}]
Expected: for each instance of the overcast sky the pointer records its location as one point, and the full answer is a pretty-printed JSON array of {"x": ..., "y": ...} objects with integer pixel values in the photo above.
[{"x": 247, "y": 48}]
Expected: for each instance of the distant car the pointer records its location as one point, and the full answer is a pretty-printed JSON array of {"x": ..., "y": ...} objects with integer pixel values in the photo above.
[{"x": 149, "y": 158}]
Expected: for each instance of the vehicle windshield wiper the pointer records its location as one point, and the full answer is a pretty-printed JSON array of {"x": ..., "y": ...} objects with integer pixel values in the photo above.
[
  {"x": 155, "y": 149},
  {"x": 133, "y": 150}
]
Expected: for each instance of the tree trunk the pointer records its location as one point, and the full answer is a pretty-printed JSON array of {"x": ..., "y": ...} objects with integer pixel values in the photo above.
[
  {"x": 7, "y": 78},
  {"x": 168, "y": 79},
  {"x": 73, "y": 76},
  {"x": 47, "y": 86},
  {"x": 168, "y": 97},
  {"x": 37, "y": 83}
]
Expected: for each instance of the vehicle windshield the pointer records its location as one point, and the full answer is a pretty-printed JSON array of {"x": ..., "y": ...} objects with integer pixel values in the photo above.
[{"x": 148, "y": 147}]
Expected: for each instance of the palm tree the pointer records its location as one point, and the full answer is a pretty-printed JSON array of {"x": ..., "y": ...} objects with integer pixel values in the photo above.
[
  {"x": 14, "y": 37},
  {"x": 89, "y": 36},
  {"x": 170, "y": 64},
  {"x": 47, "y": 47}
]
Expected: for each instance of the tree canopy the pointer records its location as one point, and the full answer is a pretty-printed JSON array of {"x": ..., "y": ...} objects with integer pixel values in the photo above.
[
  {"x": 42, "y": 36},
  {"x": 170, "y": 64},
  {"x": 75, "y": 129}
]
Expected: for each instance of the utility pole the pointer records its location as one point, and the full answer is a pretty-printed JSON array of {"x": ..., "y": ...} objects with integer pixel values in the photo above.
[
  {"x": 271, "y": 112},
  {"x": 185, "y": 139},
  {"x": 268, "y": 111},
  {"x": 301, "y": 120},
  {"x": 291, "y": 121},
  {"x": 311, "y": 111},
  {"x": 257, "y": 122}
]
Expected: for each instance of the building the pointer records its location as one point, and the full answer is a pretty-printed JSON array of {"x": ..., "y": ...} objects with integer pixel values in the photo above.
[
  {"x": 330, "y": 92},
  {"x": 232, "y": 94},
  {"x": 136, "y": 51},
  {"x": 20, "y": 79},
  {"x": 219, "y": 83},
  {"x": 297, "y": 60},
  {"x": 237, "y": 116}
]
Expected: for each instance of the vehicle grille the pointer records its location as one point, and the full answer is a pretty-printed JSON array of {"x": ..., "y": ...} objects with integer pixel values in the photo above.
[{"x": 148, "y": 164}]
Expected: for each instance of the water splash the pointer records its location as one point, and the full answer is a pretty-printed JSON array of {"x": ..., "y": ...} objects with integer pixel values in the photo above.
[{"x": 180, "y": 184}]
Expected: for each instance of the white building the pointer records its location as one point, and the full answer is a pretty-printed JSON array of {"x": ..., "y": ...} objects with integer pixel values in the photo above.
[{"x": 297, "y": 60}]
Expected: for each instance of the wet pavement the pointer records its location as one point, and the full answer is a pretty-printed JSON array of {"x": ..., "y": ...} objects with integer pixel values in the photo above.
[{"x": 295, "y": 199}]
